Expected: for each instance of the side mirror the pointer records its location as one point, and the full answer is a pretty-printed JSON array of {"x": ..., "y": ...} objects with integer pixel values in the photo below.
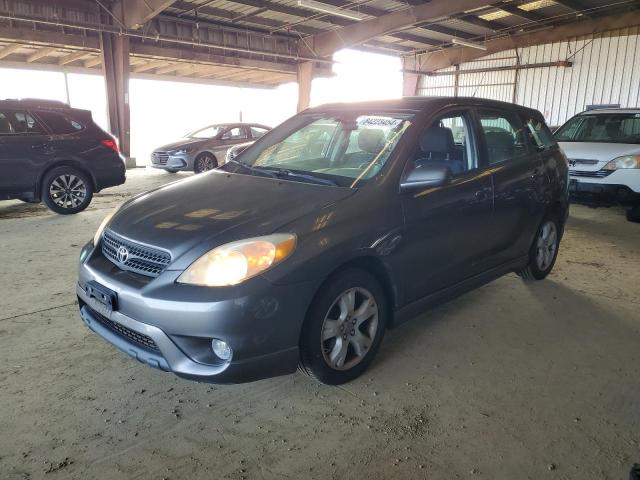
[{"x": 425, "y": 176}]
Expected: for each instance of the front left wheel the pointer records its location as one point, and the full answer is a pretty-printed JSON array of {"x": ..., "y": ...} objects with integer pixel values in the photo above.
[
  {"x": 204, "y": 162},
  {"x": 344, "y": 328},
  {"x": 66, "y": 190}
]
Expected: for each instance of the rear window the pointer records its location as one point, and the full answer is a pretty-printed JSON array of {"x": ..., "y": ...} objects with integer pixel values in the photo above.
[
  {"x": 539, "y": 134},
  {"x": 601, "y": 128},
  {"x": 59, "y": 124}
]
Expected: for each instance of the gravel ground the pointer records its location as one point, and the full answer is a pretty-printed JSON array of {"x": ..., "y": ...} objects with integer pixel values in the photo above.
[{"x": 511, "y": 381}]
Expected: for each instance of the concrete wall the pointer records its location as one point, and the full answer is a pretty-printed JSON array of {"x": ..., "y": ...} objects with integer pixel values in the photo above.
[{"x": 606, "y": 69}]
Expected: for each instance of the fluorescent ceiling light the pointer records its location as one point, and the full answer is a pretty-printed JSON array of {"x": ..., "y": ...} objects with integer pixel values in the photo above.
[
  {"x": 330, "y": 9},
  {"x": 465, "y": 43}
]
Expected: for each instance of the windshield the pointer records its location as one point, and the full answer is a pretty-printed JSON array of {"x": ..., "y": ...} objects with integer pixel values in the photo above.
[
  {"x": 344, "y": 150},
  {"x": 601, "y": 128},
  {"x": 206, "y": 132}
]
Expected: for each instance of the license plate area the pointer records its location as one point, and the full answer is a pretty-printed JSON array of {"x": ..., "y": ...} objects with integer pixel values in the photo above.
[{"x": 101, "y": 298}]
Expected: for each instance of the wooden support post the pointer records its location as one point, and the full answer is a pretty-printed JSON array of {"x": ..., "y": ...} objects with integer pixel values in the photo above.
[{"x": 305, "y": 77}]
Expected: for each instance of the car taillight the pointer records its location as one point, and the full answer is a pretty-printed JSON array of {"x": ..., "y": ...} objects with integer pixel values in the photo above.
[{"x": 111, "y": 144}]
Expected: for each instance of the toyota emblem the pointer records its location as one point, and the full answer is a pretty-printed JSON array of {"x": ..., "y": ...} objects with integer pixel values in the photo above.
[{"x": 123, "y": 254}]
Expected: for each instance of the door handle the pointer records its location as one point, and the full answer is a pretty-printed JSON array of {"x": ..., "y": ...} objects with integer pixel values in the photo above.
[{"x": 41, "y": 146}]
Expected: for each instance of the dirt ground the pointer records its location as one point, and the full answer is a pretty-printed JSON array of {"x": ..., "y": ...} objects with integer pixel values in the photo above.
[{"x": 511, "y": 381}]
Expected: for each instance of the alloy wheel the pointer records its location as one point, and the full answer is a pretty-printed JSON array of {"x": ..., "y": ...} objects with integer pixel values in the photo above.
[
  {"x": 68, "y": 191},
  {"x": 546, "y": 245},
  {"x": 206, "y": 162},
  {"x": 349, "y": 328}
]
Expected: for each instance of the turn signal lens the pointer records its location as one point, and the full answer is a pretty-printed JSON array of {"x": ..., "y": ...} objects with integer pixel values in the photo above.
[
  {"x": 626, "y": 161},
  {"x": 236, "y": 262}
]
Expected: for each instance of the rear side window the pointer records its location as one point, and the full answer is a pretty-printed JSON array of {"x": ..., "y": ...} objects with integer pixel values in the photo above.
[
  {"x": 539, "y": 134},
  {"x": 504, "y": 135},
  {"x": 18, "y": 123},
  {"x": 59, "y": 124}
]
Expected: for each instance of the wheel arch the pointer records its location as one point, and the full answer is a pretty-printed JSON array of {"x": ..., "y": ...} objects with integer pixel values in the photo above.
[
  {"x": 374, "y": 266},
  {"x": 65, "y": 163}
]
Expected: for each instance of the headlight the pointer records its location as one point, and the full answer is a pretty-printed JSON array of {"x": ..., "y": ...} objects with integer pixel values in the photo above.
[
  {"x": 105, "y": 222},
  {"x": 182, "y": 151},
  {"x": 236, "y": 262},
  {"x": 626, "y": 161}
]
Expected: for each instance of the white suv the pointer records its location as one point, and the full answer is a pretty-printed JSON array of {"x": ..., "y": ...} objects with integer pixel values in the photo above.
[{"x": 603, "y": 148}]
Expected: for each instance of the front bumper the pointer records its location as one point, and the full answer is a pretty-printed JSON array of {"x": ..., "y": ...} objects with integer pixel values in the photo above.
[
  {"x": 174, "y": 162},
  {"x": 260, "y": 321},
  {"x": 602, "y": 194}
]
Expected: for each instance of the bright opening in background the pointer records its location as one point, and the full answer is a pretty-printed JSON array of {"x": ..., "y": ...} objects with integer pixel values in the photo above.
[{"x": 165, "y": 110}]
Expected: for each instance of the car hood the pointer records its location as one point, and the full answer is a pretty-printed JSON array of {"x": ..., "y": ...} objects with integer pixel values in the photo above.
[
  {"x": 585, "y": 153},
  {"x": 184, "y": 143},
  {"x": 207, "y": 210}
]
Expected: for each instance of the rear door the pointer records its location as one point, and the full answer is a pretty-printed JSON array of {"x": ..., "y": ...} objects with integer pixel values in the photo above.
[
  {"x": 518, "y": 182},
  {"x": 444, "y": 239},
  {"x": 24, "y": 150}
]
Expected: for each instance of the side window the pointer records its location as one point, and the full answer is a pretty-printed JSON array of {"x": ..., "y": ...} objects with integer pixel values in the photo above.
[
  {"x": 18, "y": 123},
  {"x": 5, "y": 125},
  {"x": 257, "y": 132},
  {"x": 235, "y": 133},
  {"x": 59, "y": 124},
  {"x": 448, "y": 142},
  {"x": 504, "y": 136},
  {"x": 539, "y": 134}
]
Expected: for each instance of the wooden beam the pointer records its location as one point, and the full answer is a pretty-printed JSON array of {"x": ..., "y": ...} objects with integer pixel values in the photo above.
[
  {"x": 8, "y": 50},
  {"x": 519, "y": 12},
  {"x": 325, "y": 44},
  {"x": 40, "y": 53},
  {"x": 72, "y": 57},
  {"x": 437, "y": 60},
  {"x": 167, "y": 69},
  {"x": 574, "y": 5},
  {"x": 93, "y": 62},
  {"x": 148, "y": 66}
]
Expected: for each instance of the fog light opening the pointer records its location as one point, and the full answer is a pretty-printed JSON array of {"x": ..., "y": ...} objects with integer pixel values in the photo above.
[{"x": 221, "y": 349}]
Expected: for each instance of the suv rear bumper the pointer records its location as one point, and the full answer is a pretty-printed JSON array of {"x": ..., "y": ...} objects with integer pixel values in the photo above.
[{"x": 602, "y": 194}]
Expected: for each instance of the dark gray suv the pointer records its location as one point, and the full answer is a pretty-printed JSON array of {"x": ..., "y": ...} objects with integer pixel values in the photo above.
[
  {"x": 53, "y": 153},
  {"x": 338, "y": 224}
]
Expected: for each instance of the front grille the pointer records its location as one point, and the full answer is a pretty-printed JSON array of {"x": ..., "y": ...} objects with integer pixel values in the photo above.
[
  {"x": 139, "y": 258},
  {"x": 582, "y": 161},
  {"x": 160, "y": 158},
  {"x": 138, "y": 338},
  {"x": 590, "y": 174}
]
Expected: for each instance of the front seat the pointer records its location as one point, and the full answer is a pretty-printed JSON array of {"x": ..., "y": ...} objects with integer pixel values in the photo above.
[
  {"x": 370, "y": 142},
  {"x": 437, "y": 148},
  {"x": 5, "y": 126}
]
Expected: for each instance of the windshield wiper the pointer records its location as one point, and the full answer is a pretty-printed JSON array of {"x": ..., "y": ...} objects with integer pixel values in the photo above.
[
  {"x": 289, "y": 174},
  {"x": 258, "y": 171}
]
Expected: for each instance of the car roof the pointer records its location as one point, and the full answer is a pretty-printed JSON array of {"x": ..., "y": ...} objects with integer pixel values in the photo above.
[
  {"x": 35, "y": 103},
  {"x": 418, "y": 104},
  {"x": 605, "y": 111}
]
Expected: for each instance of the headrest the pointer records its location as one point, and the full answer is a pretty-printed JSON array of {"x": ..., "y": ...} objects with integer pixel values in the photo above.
[
  {"x": 371, "y": 140},
  {"x": 437, "y": 139}
]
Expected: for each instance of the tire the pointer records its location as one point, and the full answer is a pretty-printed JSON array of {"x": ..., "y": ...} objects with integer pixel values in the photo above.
[
  {"x": 171, "y": 171},
  {"x": 547, "y": 240},
  {"x": 326, "y": 359},
  {"x": 204, "y": 162},
  {"x": 66, "y": 190},
  {"x": 633, "y": 214}
]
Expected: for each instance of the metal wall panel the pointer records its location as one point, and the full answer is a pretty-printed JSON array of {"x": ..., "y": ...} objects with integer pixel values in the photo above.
[{"x": 606, "y": 69}]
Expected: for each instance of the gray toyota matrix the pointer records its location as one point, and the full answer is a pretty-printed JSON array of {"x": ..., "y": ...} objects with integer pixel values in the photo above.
[{"x": 340, "y": 223}]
